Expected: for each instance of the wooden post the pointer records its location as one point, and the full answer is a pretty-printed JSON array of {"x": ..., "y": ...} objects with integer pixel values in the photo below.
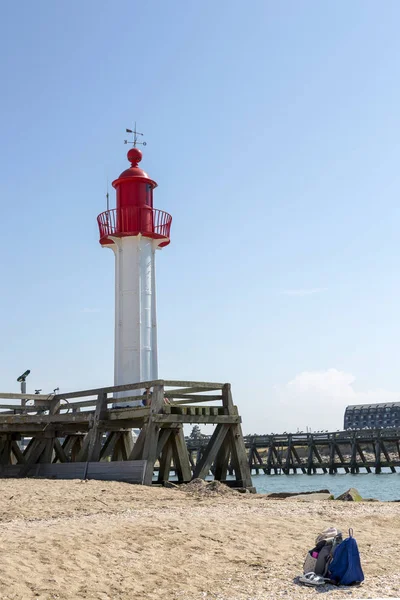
[
  {"x": 310, "y": 456},
  {"x": 95, "y": 434},
  {"x": 227, "y": 401},
  {"x": 270, "y": 457},
  {"x": 152, "y": 433},
  {"x": 377, "y": 450},
  {"x": 222, "y": 461},
  {"x": 180, "y": 456},
  {"x": 288, "y": 457},
  {"x": 332, "y": 450},
  {"x": 238, "y": 448},
  {"x": 353, "y": 460}
]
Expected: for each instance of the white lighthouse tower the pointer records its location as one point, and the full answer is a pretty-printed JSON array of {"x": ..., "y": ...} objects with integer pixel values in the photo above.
[{"x": 134, "y": 230}]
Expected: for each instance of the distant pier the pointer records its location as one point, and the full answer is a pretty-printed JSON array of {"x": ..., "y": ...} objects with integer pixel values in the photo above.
[{"x": 358, "y": 451}]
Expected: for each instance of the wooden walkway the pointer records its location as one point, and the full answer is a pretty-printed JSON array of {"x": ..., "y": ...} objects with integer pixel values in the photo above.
[
  {"x": 351, "y": 451},
  {"x": 81, "y": 434}
]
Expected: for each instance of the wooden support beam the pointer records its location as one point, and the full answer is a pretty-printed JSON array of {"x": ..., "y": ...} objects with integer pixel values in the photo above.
[
  {"x": 83, "y": 452},
  {"x": 111, "y": 389},
  {"x": 353, "y": 458},
  {"x": 222, "y": 461},
  {"x": 227, "y": 400},
  {"x": 204, "y": 465},
  {"x": 68, "y": 445},
  {"x": 95, "y": 434},
  {"x": 184, "y": 392},
  {"x": 117, "y": 450},
  {"x": 210, "y": 419},
  {"x": 41, "y": 419},
  {"x": 133, "y": 414},
  {"x": 191, "y": 384},
  {"x": 127, "y": 444},
  {"x": 162, "y": 440},
  {"x": 257, "y": 455},
  {"x": 270, "y": 458},
  {"x": 362, "y": 456},
  {"x": 193, "y": 398},
  {"x": 137, "y": 450},
  {"x": 239, "y": 459},
  {"x": 34, "y": 457},
  {"x": 16, "y": 450},
  {"x": 288, "y": 457},
  {"x": 180, "y": 456},
  {"x": 165, "y": 461},
  {"x": 318, "y": 457},
  {"x": 108, "y": 446},
  {"x": 277, "y": 460},
  {"x": 340, "y": 455},
  {"x": 59, "y": 451},
  {"x": 386, "y": 455},
  {"x": 299, "y": 463},
  {"x": 332, "y": 452},
  {"x": 14, "y": 396},
  {"x": 5, "y": 452},
  {"x": 48, "y": 450},
  {"x": 28, "y": 448},
  {"x": 152, "y": 433}
]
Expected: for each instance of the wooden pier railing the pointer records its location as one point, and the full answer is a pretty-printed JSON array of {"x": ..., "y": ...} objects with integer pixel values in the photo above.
[{"x": 83, "y": 434}]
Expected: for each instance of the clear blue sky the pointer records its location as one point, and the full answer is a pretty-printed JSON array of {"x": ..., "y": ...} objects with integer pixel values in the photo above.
[{"x": 273, "y": 132}]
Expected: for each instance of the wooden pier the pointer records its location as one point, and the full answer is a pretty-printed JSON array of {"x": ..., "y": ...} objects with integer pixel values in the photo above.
[
  {"x": 309, "y": 453},
  {"x": 81, "y": 435}
]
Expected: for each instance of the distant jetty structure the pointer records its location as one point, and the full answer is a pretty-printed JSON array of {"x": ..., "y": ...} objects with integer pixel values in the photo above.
[{"x": 362, "y": 451}]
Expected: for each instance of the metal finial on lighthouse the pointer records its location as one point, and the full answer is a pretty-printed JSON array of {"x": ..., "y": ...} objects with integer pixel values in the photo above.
[{"x": 135, "y": 137}]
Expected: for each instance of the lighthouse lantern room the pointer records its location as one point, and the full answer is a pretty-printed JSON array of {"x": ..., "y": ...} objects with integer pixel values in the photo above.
[{"x": 134, "y": 230}]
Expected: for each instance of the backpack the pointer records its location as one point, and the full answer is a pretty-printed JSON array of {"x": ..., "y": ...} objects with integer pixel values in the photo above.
[
  {"x": 319, "y": 558},
  {"x": 345, "y": 568}
]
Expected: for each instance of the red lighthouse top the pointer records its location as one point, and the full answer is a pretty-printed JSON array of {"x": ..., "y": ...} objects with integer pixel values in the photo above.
[
  {"x": 135, "y": 156},
  {"x": 134, "y": 214}
]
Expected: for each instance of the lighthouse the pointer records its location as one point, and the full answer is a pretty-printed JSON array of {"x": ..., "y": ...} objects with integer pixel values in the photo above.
[{"x": 134, "y": 230}]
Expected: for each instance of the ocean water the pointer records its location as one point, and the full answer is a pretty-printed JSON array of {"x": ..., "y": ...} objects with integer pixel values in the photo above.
[{"x": 385, "y": 486}]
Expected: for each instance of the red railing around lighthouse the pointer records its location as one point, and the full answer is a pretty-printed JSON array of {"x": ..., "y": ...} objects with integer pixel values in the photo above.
[{"x": 134, "y": 220}]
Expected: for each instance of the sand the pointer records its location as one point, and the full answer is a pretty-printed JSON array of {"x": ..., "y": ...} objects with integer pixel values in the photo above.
[{"x": 73, "y": 539}]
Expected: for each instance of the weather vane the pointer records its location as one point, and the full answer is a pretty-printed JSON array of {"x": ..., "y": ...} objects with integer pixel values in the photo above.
[{"x": 135, "y": 137}]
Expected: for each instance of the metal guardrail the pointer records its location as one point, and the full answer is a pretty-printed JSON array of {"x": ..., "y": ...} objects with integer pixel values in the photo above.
[{"x": 132, "y": 220}]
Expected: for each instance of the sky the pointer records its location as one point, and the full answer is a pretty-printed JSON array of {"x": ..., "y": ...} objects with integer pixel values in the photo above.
[{"x": 272, "y": 130}]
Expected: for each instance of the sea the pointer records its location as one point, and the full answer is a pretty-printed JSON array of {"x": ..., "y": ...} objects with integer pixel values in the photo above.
[{"x": 385, "y": 486}]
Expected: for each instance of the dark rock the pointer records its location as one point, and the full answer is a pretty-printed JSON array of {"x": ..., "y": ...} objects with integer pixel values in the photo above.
[
  {"x": 290, "y": 494},
  {"x": 352, "y": 495}
]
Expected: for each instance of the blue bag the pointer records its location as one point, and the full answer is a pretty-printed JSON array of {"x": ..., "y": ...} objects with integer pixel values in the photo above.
[{"x": 345, "y": 568}]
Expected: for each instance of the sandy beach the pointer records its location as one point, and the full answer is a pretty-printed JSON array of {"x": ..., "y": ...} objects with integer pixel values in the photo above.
[{"x": 74, "y": 539}]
